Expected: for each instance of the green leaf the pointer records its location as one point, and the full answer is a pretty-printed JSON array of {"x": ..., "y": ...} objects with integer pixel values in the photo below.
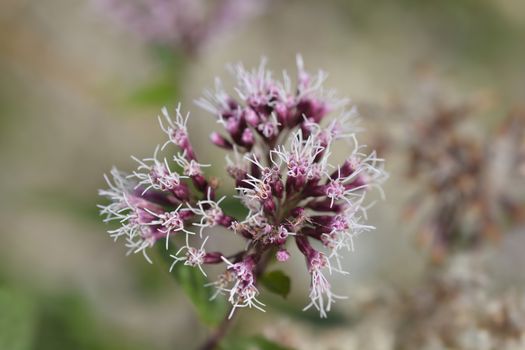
[
  {"x": 232, "y": 206},
  {"x": 277, "y": 282},
  {"x": 256, "y": 342},
  {"x": 193, "y": 282}
]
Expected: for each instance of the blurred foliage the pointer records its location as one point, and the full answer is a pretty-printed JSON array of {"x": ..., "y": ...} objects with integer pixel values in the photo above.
[
  {"x": 194, "y": 284},
  {"x": 164, "y": 89},
  {"x": 66, "y": 322},
  {"x": 42, "y": 322},
  {"x": 277, "y": 282},
  {"x": 17, "y": 320},
  {"x": 150, "y": 280}
]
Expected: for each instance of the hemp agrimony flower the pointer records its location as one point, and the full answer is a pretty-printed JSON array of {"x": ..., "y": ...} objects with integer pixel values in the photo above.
[{"x": 280, "y": 147}]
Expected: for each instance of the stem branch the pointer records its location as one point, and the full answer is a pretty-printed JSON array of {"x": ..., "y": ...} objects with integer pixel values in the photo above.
[{"x": 219, "y": 333}]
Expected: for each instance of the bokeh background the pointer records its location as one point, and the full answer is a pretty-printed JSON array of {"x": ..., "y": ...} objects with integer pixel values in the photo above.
[{"x": 80, "y": 93}]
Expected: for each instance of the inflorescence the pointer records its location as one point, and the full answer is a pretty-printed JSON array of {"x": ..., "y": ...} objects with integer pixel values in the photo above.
[{"x": 280, "y": 165}]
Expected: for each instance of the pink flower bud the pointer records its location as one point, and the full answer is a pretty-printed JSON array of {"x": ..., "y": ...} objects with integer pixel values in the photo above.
[
  {"x": 218, "y": 140},
  {"x": 247, "y": 138},
  {"x": 282, "y": 255},
  {"x": 251, "y": 117}
]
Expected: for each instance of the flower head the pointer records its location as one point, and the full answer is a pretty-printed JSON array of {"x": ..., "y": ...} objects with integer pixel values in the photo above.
[{"x": 281, "y": 167}]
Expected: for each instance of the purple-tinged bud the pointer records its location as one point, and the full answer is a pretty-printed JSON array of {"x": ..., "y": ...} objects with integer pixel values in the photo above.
[
  {"x": 139, "y": 202},
  {"x": 312, "y": 232},
  {"x": 143, "y": 217},
  {"x": 290, "y": 184},
  {"x": 225, "y": 221},
  {"x": 304, "y": 246},
  {"x": 255, "y": 170},
  {"x": 239, "y": 175},
  {"x": 282, "y": 113},
  {"x": 160, "y": 198},
  {"x": 359, "y": 181},
  {"x": 326, "y": 205},
  {"x": 339, "y": 223},
  {"x": 218, "y": 140},
  {"x": 282, "y": 234},
  {"x": 244, "y": 269},
  {"x": 240, "y": 228},
  {"x": 316, "y": 261},
  {"x": 278, "y": 188},
  {"x": 186, "y": 214},
  {"x": 314, "y": 190},
  {"x": 200, "y": 183},
  {"x": 269, "y": 206},
  {"x": 182, "y": 192},
  {"x": 233, "y": 125},
  {"x": 310, "y": 109},
  {"x": 306, "y": 129},
  {"x": 297, "y": 211},
  {"x": 247, "y": 138},
  {"x": 251, "y": 117},
  {"x": 269, "y": 128},
  {"x": 282, "y": 255},
  {"x": 348, "y": 168},
  {"x": 213, "y": 258},
  {"x": 294, "y": 184},
  {"x": 335, "y": 190},
  {"x": 322, "y": 220},
  {"x": 172, "y": 220},
  {"x": 232, "y": 105}
]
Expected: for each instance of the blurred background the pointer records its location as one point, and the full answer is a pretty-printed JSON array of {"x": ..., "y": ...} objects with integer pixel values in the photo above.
[{"x": 80, "y": 90}]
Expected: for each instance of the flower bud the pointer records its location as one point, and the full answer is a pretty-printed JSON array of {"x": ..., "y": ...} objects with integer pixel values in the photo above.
[
  {"x": 247, "y": 138},
  {"x": 251, "y": 117},
  {"x": 218, "y": 140},
  {"x": 282, "y": 255}
]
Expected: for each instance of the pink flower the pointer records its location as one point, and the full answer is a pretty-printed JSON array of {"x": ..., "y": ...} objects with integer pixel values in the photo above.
[{"x": 281, "y": 167}]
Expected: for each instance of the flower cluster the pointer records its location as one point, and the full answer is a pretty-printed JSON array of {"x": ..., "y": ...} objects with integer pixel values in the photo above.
[
  {"x": 184, "y": 24},
  {"x": 280, "y": 150}
]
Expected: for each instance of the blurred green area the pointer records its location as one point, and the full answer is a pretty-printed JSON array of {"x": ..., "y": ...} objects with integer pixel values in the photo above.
[
  {"x": 165, "y": 88},
  {"x": 47, "y": 322}
]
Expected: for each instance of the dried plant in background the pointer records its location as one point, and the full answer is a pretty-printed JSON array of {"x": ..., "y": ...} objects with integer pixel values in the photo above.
[
  {"x": 460, "y": 309},
  {"x": 464, "y": 179}
]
